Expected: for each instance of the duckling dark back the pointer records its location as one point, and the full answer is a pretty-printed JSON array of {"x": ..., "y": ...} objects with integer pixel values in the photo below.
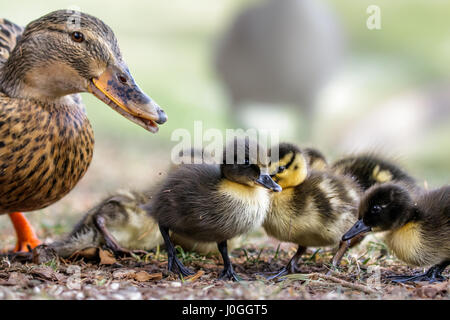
[
  {"x": 369, "y": 169},
  {"x": 316, "y": 160}
]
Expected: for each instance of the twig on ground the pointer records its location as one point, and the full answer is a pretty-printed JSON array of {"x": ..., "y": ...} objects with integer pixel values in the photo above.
[{"x": 344, "y": 283}]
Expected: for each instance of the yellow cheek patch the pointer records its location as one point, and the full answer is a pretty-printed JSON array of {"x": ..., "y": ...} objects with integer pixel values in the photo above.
[
  {"x": 239, "y": 190},
  {"x": 381, "y": 175},
  {"x": 273, "y": 169},
  {"x": 295, "y": 174},
  {"x": 406, "y": 242}
]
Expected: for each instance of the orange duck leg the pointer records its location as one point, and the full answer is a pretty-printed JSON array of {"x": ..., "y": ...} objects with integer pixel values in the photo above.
[{"x": 26, "y": 237}]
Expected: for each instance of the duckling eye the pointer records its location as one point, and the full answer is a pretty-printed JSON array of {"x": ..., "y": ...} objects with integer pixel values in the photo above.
[
  {"x": 77, "y": 36},
  {"x": 281, "y": 169},
  {"x": 376, "y": 209}
]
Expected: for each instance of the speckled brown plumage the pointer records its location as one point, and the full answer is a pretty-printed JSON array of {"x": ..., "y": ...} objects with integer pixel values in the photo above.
[
  {"x": 44, "y": 151},
  {"x": 9, "y": 35}
]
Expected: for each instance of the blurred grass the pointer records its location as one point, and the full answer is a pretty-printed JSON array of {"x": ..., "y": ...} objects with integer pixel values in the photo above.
[{"x": 169, "y": 47}]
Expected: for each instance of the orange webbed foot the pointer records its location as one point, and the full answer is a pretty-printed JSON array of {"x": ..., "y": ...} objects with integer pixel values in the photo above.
[{"x": 26, "y": 237}]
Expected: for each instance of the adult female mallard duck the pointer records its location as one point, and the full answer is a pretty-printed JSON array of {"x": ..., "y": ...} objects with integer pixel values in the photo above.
[{"x": 46, "y": 141}]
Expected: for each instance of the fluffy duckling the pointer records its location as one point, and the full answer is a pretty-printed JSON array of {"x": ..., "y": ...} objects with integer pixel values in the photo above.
[
  {"x": 417, "y": 225},
  {"x": 316, "y": 160},
  {"x": 215, "y": 202},
  {"x": 315, "y": 208},
  {"x": 120, "y": 224},
  {"x": 369, "y": 169}
]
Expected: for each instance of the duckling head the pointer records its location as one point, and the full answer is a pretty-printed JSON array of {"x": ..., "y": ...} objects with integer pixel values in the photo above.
[
  {"x": 67, "y": 52},
  {"x": 383, "y": 207},
  {"x": 121, "y": 204},
  {"x": 291, "y": 167},
  {"x": 245, "y": 162}
]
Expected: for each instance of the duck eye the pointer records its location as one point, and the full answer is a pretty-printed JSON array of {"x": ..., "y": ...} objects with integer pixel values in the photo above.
[
  {"x": 247, "y": 162},
  {"x": 376, "y": 209},
  {"x": 77, "y": 36},
  {"x": 122, "y": 79},
  {"x": 281, "y": 169}
]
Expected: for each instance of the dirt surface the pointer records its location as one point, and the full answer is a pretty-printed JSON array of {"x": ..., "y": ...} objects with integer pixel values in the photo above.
[{"x": 145, "y": 277}]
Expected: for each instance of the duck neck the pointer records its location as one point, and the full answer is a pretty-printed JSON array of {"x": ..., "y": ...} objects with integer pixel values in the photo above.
[
  {"x": 12, "y": 76},
  {"x": 23, "y": 77}
]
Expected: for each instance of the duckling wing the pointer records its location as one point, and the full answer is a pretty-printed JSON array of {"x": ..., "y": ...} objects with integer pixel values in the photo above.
[{"x": 10, "y": 34}]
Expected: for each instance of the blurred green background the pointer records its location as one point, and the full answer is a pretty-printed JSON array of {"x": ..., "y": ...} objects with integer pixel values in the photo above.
[{"x": 170, "y": 46}]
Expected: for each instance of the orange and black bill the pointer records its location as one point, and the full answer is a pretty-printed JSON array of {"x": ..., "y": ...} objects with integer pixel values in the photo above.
[
  {"x": 117, "y": 88},
  {"x": 358, "y": 228}
]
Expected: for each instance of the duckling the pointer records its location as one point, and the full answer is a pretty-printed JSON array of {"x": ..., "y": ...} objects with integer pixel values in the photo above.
[
  {"x": 46, "y": 140},
  {"x": 315, "y": 208},
  {"x": 120, "y": 224},
  {"x": 369, "y": 169},
  {"x": 417, "y": 225},
  {"x": 208, "y": 202},
  {"x": 316, "y": 160},
  {"x": 117, "y": 222}
]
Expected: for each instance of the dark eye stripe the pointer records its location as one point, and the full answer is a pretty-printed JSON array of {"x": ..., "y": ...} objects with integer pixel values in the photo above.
[{"x": 290, "y": 161}]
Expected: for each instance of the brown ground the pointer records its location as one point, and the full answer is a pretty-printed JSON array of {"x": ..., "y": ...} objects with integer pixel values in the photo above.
[{"x": 145, "y": 277}]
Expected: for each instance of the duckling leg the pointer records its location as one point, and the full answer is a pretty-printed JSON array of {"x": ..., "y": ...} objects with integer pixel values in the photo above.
[
  {"x": 228, "y": 272},
  {"x": 26, "y": 237},
  {"x": 291, "y": 266},
  {"x": 110, "y": 241},
  {"x": 172, "y": 255},
  {"x": 434, "y": 274}
]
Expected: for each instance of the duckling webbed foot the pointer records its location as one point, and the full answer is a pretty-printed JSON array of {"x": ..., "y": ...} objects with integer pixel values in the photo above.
[
  {"x": 434, "y": 274},
  {"x": 172, "y": 261},
  {"x": 292, "y": 265},
  {"x": 228, "y": 272}
]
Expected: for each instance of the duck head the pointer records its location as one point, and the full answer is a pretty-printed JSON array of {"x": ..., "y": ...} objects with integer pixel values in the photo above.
[
  {"x": 67, "y": 52},
  {"x": 290, "y": 168},
  {"x": 383, "y": 207},
  {"x": 245, "y": 162}
]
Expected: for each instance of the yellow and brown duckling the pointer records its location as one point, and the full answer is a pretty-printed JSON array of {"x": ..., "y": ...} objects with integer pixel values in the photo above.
[
  {"x": 121, "y": 224},
  {"x": 369, "y": 169},
  {"x": 417, "y": 225},
  {"x": 315, "y": 208},
  {"x": 214, "y": 203},
  {"x": 315, "y": 159},
  {"x": 46, "y": 141}
]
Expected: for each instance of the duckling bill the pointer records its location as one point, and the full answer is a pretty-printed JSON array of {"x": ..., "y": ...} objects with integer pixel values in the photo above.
[
  {"x": 417, "y": 225},
  {"x": 214, "y": 203}
]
